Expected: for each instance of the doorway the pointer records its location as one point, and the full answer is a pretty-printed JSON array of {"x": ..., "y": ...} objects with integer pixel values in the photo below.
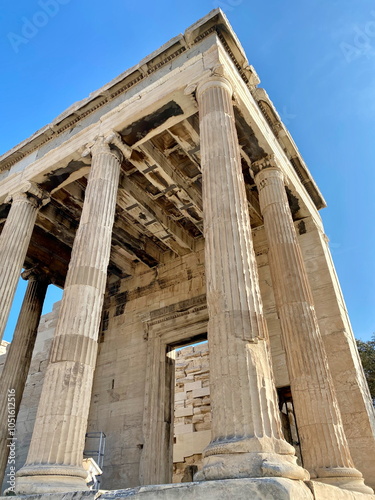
[{"x": 175, "y": 327}]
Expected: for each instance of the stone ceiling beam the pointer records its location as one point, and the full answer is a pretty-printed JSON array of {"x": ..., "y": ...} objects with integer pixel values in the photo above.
[
  {"x": 51, "y": 255},
  {"x": 136, "y": 243},
  {"x": 171, "y": 184},
  {"x": 121, "y": 262},
  {"x": 147, "y": 219},
  {"x": 181, "y": 235},
  {"x": 56, "y": 222},
  {"x": 174, "y": 176},
  {"x": 188, "y": 141}
]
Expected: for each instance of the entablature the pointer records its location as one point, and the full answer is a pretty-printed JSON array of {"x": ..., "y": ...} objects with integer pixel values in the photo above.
[{"x": 151, "y": 112}]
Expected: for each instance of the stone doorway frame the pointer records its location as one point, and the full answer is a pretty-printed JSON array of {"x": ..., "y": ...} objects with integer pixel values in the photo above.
[{"x": 166, "y": 328}]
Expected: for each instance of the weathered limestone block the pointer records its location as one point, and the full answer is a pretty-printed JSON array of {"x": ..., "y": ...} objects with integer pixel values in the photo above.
[
  {"x": 188, "y": 447},
  {"x": 232, "y": 489},
  {"x": 3, "y": 349},
  {"x": 256, "y": 489}
]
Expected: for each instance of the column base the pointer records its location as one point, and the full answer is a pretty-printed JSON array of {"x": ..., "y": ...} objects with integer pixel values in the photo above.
[
  {"x": 250, "y": 465},
  {"x": 323, "y": 491},
  {"x": 49, "y": 479},
  {"x": 345, "y": 478},
  {"x": 250, "y": 457}
]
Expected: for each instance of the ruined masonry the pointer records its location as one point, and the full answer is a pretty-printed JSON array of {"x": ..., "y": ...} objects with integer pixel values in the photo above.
[{"x": 173, "y": 207}]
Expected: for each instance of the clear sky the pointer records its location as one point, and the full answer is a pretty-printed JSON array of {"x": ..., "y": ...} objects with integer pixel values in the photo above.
[{"x": 316, "y": 60}]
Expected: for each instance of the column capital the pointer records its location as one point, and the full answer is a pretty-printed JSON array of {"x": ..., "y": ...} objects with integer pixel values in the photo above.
[
  {"x": 267, "y": 162},
  {"x": 102, "y": 145},
  {"x": 265, "y": 168},
  {"x": 116, "y": 139},
  {"x": 216, "y": 80},
  {"x": 29, "y": 191},
  {"x": 35, "y": 274}
]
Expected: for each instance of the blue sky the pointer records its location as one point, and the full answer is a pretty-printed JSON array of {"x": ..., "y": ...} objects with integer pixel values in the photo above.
[{"x": 316, "y": 60}]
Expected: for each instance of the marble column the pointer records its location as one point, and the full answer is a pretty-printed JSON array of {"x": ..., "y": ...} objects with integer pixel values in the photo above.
[
  {"x": 14, "y": 242},
  {"x": 247, "y": 440},
  {"x": 54, "y": 461},
  {"x": 324, "y": 446},
  {"x": 17, "y": 363}
]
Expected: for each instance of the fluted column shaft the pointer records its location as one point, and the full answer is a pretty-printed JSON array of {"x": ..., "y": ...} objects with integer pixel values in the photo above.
[
  {"x": 54, "y": 461},
  {"x": 17, "y": 363},
  {"x": 324, "y": 447},
  {"x": 247, "y": 439},
  {"x": 14, "y": 242}
]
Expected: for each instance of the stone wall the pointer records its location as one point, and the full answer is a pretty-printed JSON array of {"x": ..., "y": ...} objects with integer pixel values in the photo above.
[
  {"x": 121, "y": 376},
  {"x": 192, "y": 410}
]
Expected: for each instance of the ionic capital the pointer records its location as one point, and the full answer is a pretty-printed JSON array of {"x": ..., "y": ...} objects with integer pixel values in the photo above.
[
  {"x": 116, "y": 139},
  {"x": 34, "y": 274},
  {"x": 266, "y": 162},
  {"x": 31, "y": 192},
  {"x": 101, "y": 145},
  {"x": 216, "y": 80},
  {"x": 190, "y": 89},
  {"x": 265, "y": 169}
]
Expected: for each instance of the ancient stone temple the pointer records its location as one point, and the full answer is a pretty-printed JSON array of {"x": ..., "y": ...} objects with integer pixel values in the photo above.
[{"x": 173, "y": 206}]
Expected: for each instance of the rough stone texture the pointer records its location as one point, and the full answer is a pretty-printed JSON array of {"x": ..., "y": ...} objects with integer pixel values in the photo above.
[
  {"x": 323, "y": 491},
  {"x": 254, "y": 489},
  {"x": 3, "y": 349},
  {"x": 230, "y": 489},
  {"x": 192, "y": 407}
]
